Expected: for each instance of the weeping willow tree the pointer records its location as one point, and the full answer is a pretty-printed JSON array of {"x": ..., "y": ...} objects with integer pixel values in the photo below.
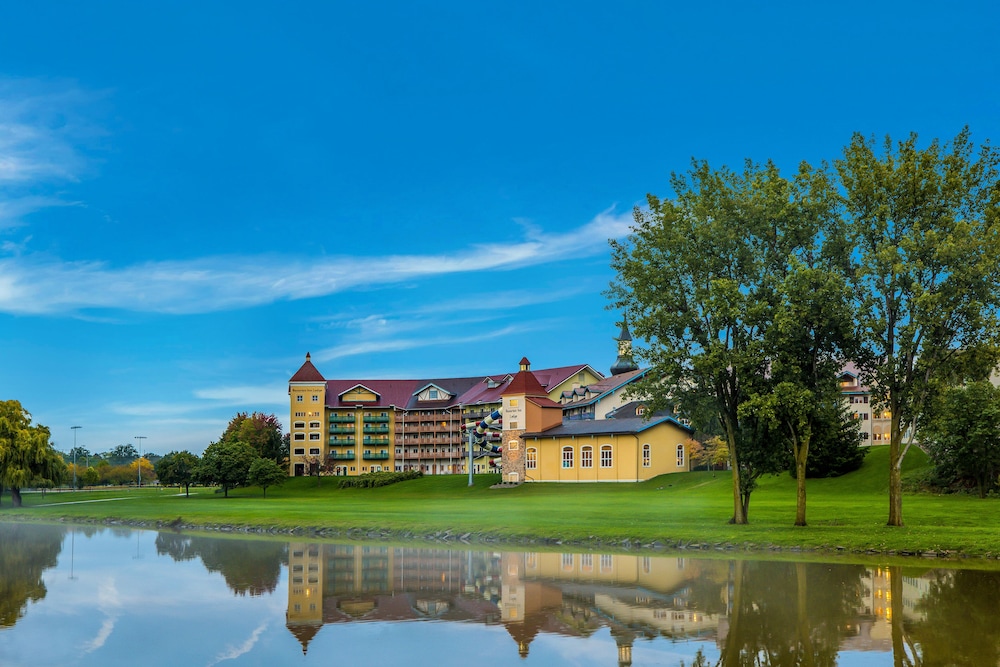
[{"x": 26, "y": 452}]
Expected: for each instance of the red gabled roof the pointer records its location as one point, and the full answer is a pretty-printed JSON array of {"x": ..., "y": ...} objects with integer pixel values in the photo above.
[
  {"x": 525, "y": 383},
  {"x": 390, "y": 392},
  {"x": 307, "y": 373}
]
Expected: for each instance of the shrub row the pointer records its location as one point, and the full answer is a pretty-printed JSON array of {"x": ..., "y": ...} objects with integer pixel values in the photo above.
[{"x": 374, "y": 479}]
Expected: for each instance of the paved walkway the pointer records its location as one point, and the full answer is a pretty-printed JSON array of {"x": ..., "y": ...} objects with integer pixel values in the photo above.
[{"x": 78, "y": 502}]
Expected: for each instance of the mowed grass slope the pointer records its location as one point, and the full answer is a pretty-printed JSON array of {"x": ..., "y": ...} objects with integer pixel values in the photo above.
[{"x": 848, "y": 512}]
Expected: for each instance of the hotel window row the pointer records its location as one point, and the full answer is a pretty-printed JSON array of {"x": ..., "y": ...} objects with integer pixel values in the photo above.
[{"x": 587, "y": 456}]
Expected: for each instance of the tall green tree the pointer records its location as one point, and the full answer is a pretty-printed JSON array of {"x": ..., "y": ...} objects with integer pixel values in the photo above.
[
  {"x": 962, "y": 434},
  {"x": 26, "y": 452},
  {"x": 178, "y": 468},
  {"x": 265, "y": 473},
  {"x": 925, "y": 227},
  {"x": 701, "y": 278},
  {"x": 226, "y": 464},
  {"x": 260, "y": 431},
  {"x": 810, "y": 339}
]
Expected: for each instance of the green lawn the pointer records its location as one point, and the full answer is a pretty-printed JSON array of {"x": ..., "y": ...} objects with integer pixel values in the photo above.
[{"x": 847, "y": 513}]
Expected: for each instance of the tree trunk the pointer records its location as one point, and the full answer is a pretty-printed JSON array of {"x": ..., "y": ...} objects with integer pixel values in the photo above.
[
  {"x": 739, "y": 513},
  {"x": 730, "y": 654},
  {"x": 895, "y": 472},
  {"x": 801, "y": 451},
  {"x": 803, "y": 627},
  {"x": 896, "y": 609},
  {"x": 800, "y": 493},
  {"x": 187, "y": 490},
  {"x": 15, "y": 496}
]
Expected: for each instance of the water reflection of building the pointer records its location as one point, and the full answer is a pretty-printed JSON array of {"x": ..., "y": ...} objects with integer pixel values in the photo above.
[
  {"x": 873, "y": 628},
  {"x": 574, "y": 595},
  {"x": 528, "y": 593}
]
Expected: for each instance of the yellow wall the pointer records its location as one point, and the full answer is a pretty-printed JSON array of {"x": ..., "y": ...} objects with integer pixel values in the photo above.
[
  {"x": 307, "y": 405},
  {"x": 589, "y": 378},
  {"x": 626, "y": 456}
]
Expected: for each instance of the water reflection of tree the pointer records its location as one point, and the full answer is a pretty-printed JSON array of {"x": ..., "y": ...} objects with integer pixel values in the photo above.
[
  {"x": 25, "y": 553},
  {"x": 961, "y": 624},
  {"x": 789, "y": 614},
  {"x": 250, "y": 567}
]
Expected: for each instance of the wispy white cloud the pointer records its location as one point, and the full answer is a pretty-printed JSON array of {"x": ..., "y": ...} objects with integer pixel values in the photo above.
[
  {"x": 38, "y": 285},
  {"x": 246, "y": 395},
  {"x": 109, "y": 602},
  {"x": 233, "y": 652},
  {"x": 39, "y": 130},
  {"x": 13, "y": 210},
  {"x": 368, "y": 346}
]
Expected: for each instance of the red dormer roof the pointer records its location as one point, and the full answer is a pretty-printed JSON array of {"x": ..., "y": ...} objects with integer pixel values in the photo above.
[
  {"x": 307, "y": 373},
  {"x": 525, "y": 383}
]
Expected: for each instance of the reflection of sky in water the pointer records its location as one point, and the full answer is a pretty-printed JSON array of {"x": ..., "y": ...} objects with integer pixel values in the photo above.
[{"x": 113, "y": 600}]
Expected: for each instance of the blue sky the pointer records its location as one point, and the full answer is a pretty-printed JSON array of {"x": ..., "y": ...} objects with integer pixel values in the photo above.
[{"x": 194, "y": 195}]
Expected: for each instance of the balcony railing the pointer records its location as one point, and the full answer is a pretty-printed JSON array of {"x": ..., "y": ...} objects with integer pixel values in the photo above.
[
  {"x": 376, "y": 440},
  {"x": 341, "y": 429},
  {"x": 376, "y": 429},
  {"x": 339, "y": 442},
  {"x": 376, "y": 456},
  {"x": 376, "y": 419},
  {"x": 341, "y": 419},
  {"x": 345, "y": 456}
]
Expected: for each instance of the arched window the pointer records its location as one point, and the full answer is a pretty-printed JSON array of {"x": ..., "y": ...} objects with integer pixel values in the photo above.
[
  {"x": 646, "y": 461},
  {"x": 586, "y": 456},
  {"x": 607, "y": 459},
  {"x": 567, "y": 457},
  {"x": 680, "y": 456},
  {"x": 531, "y": 461}
]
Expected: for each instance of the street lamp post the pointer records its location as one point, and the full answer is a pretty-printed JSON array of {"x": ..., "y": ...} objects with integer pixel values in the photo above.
[
  {"x": 75, "y": 429},
  {"x": 138, "y": 464}
]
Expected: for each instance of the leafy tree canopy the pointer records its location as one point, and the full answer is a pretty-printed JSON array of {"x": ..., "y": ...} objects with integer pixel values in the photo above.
[
  {"x": 226, "y": 464},
  {"x": 26, "y": 452},
  {"x": 261, "y": 431}
]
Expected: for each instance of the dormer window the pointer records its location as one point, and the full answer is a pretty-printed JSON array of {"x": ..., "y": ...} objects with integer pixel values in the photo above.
[
  {"x": 432, "y": 394},
  {"x": 640, "y": 411}
]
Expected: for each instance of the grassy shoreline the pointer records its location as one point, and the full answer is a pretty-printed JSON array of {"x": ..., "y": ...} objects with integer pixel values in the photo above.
[{"x": 683, "y": 511}]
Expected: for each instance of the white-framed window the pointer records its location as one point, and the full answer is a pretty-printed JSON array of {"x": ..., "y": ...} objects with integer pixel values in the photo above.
[
  {"x": 607, "y": 457},
  {"x": 607, "y": 562},
  {"x": 586, "y": 456},
  {"x": 299, "y": 398},
  {"x": 567, "y": 457},
  {"x": 680, "y": 456},
  {"x": 315, "y": 398},
  {"x": 567, "y": 562},
  {"x": 313, "y": 424},
  {"x": 314, "y": 436},
  {"x": 299, "y": 436},
  {"x": 587, "y": 562},
  {"x": 299, "y": 451},
  {"x": 432, "y": 394},
  {"x": 314, "y": 451},
  {"x": 299, "y": 425},
  {"x": 646, "y": 456},
  {"x": 531, "y": 461}
]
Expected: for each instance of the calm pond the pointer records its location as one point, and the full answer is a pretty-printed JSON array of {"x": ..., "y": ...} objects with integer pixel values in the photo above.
[{"x": 109, "y": 596}]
